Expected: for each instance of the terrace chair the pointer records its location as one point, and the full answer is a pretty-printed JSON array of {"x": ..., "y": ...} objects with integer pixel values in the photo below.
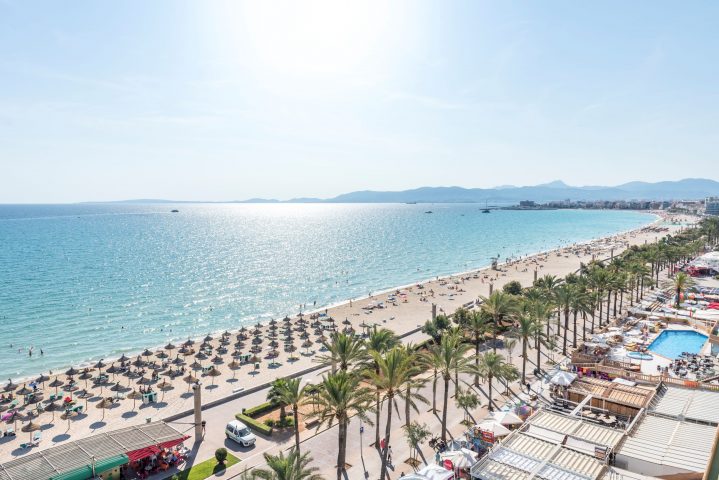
[
  {"x": 36, "y": 437},
  {"x": 10, "y": 432}
]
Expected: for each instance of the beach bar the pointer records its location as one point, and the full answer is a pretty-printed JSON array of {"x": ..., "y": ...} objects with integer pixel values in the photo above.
[{"x": 97, "y": 456}]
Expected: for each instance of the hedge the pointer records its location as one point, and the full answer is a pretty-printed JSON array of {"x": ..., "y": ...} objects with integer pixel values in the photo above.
[
  {"x": 259, "y": 409},
  {"x": 254, "y": 424}
]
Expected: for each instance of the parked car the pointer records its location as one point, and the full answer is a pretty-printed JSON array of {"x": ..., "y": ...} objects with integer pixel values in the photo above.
[{"x": 238, "y": 431}]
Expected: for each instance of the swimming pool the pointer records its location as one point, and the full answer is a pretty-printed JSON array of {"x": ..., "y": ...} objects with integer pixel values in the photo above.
[{"x": 671, "y": 343}]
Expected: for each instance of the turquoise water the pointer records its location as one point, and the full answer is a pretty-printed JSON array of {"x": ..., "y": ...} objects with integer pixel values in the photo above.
[
  {"x": 94, "y": 281},
  {"x": 672, "y": 343}
]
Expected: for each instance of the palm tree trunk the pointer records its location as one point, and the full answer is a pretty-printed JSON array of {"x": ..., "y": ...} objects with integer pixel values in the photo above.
[
  {"x": 297, "y": 427},
  {"x": 615, "y": 304},
  {"x": 434, "y": 392},
  {"x": 524, "y": 360},
  {"x": 476, "y": 360},
  {"x": 609, "y": 300},
  {"x": 538, "y": 344},
  {"x": 377, "y": 418},
  {"x": 387, "y": 433},
  {"x": 584, "y": 326},
  {"x": 407, "y": 406},
  {"x": 574, "y": 339},
  {"x": 444, "y": 410},
  {"x": 342, "y": 451},
  {"x": 566, "y": 328},
  {"x": 491, "y": 406}
]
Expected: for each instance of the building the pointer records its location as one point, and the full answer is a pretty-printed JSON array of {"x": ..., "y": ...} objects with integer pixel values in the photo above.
[
  {"x": 551, "y": 445},
  {"x": 676, "y": 436},
  {"x": 527, "y": 203},
  {"x": 711, "y": 206}
]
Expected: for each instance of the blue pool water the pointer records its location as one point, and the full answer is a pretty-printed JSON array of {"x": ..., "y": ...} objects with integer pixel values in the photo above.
[{"x": 671, "y": 343}]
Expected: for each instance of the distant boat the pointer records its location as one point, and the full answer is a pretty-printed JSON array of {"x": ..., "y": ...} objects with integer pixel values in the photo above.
[
  {"x": 428, "y": 211},
  {"x": 411, "y": 203},
  {"x": 174, "y": 211},
  {"x": 486, "y": 210}
]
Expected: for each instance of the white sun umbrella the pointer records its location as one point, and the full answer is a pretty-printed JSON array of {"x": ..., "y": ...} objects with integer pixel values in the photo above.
[
  {"x": 435, "y": 472},
  {"x": 563, "y": 378},
  {"x": 495, "y": 427},
  {"x": 507, "y": 418},
  {"x": 462, "y": 458}
]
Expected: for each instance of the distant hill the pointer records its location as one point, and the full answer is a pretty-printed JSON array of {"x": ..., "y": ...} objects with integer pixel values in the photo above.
[{"x": 687, "y": 189}]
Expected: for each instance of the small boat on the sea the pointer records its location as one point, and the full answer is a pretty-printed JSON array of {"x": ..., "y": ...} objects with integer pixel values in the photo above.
[
  {"x": 428, "y": 211},
  {"x": 174, "y": 211}
]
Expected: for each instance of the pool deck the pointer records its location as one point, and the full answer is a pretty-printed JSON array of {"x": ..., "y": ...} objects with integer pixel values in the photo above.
[{"x": 650, "y": 366}]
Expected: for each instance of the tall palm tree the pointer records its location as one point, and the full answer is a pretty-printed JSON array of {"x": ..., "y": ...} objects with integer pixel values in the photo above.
[
  {"x": 682, "y": 281},
  {"x": 525, "y": 329},
  {"x": 379, "y": 341},
  {"x": 563, "y": 297},
  {"x": 410, "y": 395},
  {"x": 447, "y": 357},
  {"x": 493, "y": 365},
  {"x": 395, "y": 372},
  {"x": 579, "y": 303},
  {"x": 342, "y": 350},
  {"x": 290, "y": 393},
  {"x": 540, "y": 310},
  {"x": 477, "y": 324},
  {"x": 498, "y": 306},
  {"x": 340, "y": 397},
  {"x": 548, "y": 284},
  {"x": 291, "y": 467}
]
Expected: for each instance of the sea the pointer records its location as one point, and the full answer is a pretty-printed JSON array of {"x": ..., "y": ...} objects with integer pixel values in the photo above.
[{"x": 89, "y": 281}]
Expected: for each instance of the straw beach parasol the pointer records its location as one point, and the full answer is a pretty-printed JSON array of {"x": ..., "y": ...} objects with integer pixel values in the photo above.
[
  {"x": 164, "y": 386},
  {"x": 30, "y": 427},
  {"x": 234, "y": 365},
  {"x": 57, "y": 383},
  {"x": 103, "y": 405},
  {"x": 134, "y": 396},
  {"x": 190, "y": 379},
  {"x": 214, "y": 373}
]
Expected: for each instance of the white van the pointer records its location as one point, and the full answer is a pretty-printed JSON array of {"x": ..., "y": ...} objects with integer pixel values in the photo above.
[{"x": 238, "y": 431}]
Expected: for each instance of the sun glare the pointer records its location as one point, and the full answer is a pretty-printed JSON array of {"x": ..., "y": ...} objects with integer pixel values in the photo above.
[{"x": 314, "y": 37}]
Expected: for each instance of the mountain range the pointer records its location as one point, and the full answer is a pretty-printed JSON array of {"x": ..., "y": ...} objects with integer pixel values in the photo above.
[{"x": 686, "y": 189}]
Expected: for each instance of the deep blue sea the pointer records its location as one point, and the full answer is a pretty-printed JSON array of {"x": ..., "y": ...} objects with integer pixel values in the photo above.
[{"x": 72, "y": 276}]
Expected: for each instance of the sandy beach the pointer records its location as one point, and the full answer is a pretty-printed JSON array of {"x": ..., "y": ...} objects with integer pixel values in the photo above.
[{"x": 165, "y": 369}]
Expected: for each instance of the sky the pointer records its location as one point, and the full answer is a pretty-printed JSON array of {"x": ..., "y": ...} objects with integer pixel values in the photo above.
[{"x": 224, "y": 100}]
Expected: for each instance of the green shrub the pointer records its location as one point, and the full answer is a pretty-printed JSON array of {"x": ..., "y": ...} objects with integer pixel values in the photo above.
[
  {"x": 259, "y": 409},
  {"x": 254, "y": 424},
  {"x": 221, "y": 455},
  {"x": 513, "y": 287},
  {"x": 269, "y": 422}
]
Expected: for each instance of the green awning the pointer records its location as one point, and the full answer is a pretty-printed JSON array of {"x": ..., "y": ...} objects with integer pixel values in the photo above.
[{"x": 85, "y": 472}]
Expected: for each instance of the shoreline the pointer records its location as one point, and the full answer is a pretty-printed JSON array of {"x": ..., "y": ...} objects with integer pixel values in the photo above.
[{"x": 349, "y": 302}]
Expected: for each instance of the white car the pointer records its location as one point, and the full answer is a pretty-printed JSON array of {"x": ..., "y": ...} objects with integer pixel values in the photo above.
[{"x": 238, "y": 431}]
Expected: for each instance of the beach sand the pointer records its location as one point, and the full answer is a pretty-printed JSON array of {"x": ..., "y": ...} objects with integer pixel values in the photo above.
[{"x": 410, "y": 309}]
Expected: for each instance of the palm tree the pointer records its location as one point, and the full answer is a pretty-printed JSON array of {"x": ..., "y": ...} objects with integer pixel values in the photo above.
[
  {"x": 477, "y": 324},
  {"x": 498, "y": 306},
  {"x": 466, "y": 400},
  {"x": 379, "y": 341},
  {"x": 340, "y": 397},
  {"x": 525, "y": 329},
  {"x": 343, "y": 351},
  {"x": 548, "y": 284},
  {"x": 291, "y": 467},
  {"x": 290, "y": 393},
  {"x": 411, "y": 395},
  {"x": 395, "y": 372},
  {"x": 682, "y": 281},
  {"x": 563, "y": 298},
  {"x": 274, "y": 395},
  {"x": 492, "y": 365},
  {"x": 435, "y": 328},
  {"x": 447, "y": 357}
]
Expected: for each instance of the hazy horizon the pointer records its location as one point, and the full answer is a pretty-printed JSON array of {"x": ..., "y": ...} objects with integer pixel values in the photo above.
[{"x": 230, "y": 100}]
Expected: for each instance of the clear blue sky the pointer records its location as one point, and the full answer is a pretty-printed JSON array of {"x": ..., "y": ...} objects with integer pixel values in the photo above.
[{"x": 222, "y": 100}]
